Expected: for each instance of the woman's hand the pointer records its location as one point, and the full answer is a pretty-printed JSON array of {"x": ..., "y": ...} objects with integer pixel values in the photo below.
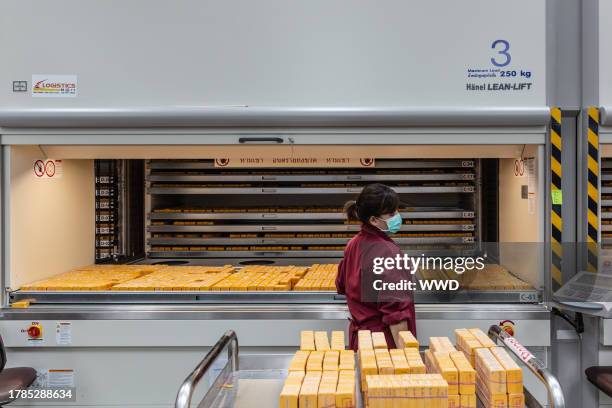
[{"x": 395, "y": 329}]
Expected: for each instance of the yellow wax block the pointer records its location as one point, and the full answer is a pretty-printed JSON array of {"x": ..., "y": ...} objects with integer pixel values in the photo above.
[
  {"x": 488, "y": 396},
  {"x": 410, "y": 393},
  {"x": 321, "y": 341},
  {"x": 345, "y": 395},
  {"x": 315, "y": 361},
  {"x": 447, "y": 369},
  {"x": 364, "y": 339},
  {"x": 498, "y": 400},
  {"x": 383, "y": 361},
  {"x": 373, "y": 387},
  {"x": 400, "y": 364},
  {"x": 337, "y": 340},
  {"x": 441, "y": 344},
  {"x": 307, "y": 342},
  {"x": 290, "y": 393},
  {"x": 347, "y": 360},
  {"x": 289, "y": 396},
  {"x": 430, "y": 363},
  {"x": 482, "y": 338},
  {"x": 416, "y": 383},
  {"x": 516, "y": 400},
  {"x": 467, "y": 375},
  {"x": 331, "y": 360},
  {"x": 490, "y": 371},
  {"x": 298, "y": 362},
  {"x": 367, "y": 365},
  {"x": 468, "y": 400},
  {"x": 408, "y": 340},
  {"x": 378, "y": 340},
  {"x": 514, "y": 373},
  {"x": 454, "y": 401},
  {"x": 309, "y": 390},
  {"x": 471, "y": 346},
  {"x": 467, "y": 343},
  {"x": 415, "y": 361},
  {"x": 326, "y": 396},
  {"x": 295, "y": 377}
]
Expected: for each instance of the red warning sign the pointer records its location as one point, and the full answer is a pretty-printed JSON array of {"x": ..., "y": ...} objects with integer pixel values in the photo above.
[
  {"x": 48, "y": 169},
  {"x": 39, "y": 168},
  {"x": 519, "y": 168}
]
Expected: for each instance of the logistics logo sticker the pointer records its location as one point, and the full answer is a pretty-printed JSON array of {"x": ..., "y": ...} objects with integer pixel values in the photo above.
[{"x": 54, "y": 86}]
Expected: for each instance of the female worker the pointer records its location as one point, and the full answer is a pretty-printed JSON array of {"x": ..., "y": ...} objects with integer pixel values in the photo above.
[{"x": 376, "y": 208}]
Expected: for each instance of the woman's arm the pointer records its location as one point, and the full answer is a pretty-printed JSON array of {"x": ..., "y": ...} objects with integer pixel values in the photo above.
[{"x": 340, "y": 279}]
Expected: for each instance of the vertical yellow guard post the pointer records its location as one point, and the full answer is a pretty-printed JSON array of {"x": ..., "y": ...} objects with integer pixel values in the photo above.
[
  {"x": 593, "y": 189},
  {"x": 556, "y": 148}
]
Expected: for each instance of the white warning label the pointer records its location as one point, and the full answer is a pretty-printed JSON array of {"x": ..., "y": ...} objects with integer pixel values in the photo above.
[{"x": 63, "y": 333}]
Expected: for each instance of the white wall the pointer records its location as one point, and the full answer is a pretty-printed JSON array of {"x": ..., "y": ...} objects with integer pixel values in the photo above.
[{"x": 51, "y": 222}]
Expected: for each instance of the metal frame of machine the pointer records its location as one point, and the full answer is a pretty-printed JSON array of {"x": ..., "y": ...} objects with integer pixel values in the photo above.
[{"x": 438, "y": 113}]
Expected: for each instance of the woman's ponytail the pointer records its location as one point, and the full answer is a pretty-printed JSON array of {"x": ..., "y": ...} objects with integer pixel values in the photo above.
[{"x": 350, "y": 209}]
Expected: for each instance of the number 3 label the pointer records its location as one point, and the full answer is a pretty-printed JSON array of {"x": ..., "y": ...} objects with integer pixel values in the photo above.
[{"x": 505, "y": 47}]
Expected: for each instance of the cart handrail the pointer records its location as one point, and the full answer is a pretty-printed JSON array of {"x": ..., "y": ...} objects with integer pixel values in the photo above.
[
  {"x": 185, "y": 393},
  {"x": 555, "y": 394}
]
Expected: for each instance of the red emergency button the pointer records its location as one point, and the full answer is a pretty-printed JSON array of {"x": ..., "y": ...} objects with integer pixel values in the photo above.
[{"x": 34, "y": 331}]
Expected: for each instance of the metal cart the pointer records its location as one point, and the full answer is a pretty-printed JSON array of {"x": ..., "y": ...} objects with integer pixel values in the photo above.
[{"x": 247, "y": 381}]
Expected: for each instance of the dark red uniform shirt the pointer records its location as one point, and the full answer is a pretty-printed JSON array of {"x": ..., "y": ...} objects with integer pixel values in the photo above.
[{"x": 356, "y": 269}]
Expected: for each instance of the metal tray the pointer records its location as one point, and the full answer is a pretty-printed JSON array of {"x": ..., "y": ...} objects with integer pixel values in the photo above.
[
  {"x": 244, "y": 178},
  {"x": 257, "y": 297},
  {"x": 301, "y": 190},
  {"x": 445, "y": 214},
  {"x": 297, "y": 241},
  {"x": 387, "y": 163},
  {"x": 301, "y": 228}
]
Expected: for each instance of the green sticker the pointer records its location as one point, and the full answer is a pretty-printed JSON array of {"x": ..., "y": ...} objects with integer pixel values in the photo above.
[{"x": 557, "y": 197}]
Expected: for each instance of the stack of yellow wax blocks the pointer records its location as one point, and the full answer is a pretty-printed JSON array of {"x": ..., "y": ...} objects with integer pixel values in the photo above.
[
  {"x": 415, "y": 362},
  {"x": 470, "y": 340},
  {"x": 514, "y": 377},
  {"x": 345, "y": 391},
  {"x": 408, "y": 340},
  {"x": 307, "y": 340},
  {"x": 318, "y": 277},
  {"x": 407, "y": 390},
  {"x": 327, "y": 375},
  {"x": 321, "y": 341},
  {"x": 91, "y": 278},
  {"x": 258, "y": 277},
  {"x": 379, "y": 341},
  {"x": 366, "y": 356},
  {"x": 337, "y": 340},
  {"x": 491, "y": 380},
  {"x": 291, "y": 389},
  {"x": 376, "y": 359},
  {"x": 453, "y": 366},
  {"x": 183, "y": 278}
]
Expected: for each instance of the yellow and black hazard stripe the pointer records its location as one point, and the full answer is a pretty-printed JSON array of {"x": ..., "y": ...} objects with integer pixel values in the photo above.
[
  {"x": 592, "y": 188},
  {"x": 556, "y": 216}
]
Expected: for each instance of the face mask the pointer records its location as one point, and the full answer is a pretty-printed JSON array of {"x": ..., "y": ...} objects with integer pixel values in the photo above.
[{"x": 394, "y": 224}]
